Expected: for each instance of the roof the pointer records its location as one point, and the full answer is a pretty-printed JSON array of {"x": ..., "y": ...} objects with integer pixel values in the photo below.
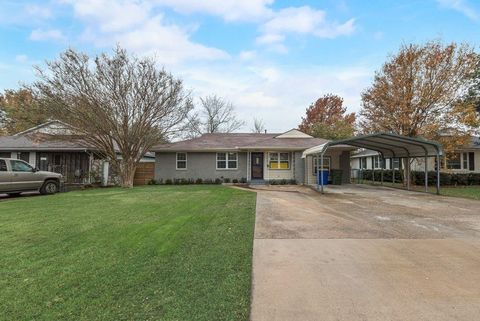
[
  {"x": 474, "y": 144},
  {"x": 388, "y": 144},
  {"x": 291, "y": 140},
  {"x": 42, "y": 137},
  {"x": 38, "y": 142}
]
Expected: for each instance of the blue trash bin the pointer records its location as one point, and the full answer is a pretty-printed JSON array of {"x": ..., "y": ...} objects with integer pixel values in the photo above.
[{"x": 325, "y": 177}]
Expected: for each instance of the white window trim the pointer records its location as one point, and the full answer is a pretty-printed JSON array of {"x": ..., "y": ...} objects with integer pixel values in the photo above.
[
  {"x": 278, "y": 161},
  {"x": 186, "y": 161},
  {"x": 226, "y": 162}
]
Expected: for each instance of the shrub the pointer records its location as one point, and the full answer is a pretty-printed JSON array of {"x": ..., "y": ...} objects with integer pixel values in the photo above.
[
  {"x": 226, "y": 180},
  {"x": 218, "y": 181},
  {"x": 273, "y": 182},
  {"x": 243, "y": 180},
  {"x": 283, "y": 182},
  {"x": 199, "y": 181},
  {"x": 168, "y": 182},
  {"x": 235, "y": 181},
  {"x": 207, "y": 181},
  {"x": 474, "y": 179},
  {"x": 152, "y": 182},
  {"x": 292, "y": 182}
]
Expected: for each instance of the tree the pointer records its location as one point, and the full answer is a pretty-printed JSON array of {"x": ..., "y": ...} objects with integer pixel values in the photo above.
[
  {"x": 120, "y": 104},
  {"x": 327, "y": 118},
  {"x": 258, "y": 126},
  {"x": 216, "y": 115},
  {"x": 472, "y": 96},
  {"x": 20, "y": 110},
  {"x": 416, "y": 93}
]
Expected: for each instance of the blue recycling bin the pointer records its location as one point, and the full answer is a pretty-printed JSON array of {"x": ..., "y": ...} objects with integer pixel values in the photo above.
[{"x": 325, "y": 178}]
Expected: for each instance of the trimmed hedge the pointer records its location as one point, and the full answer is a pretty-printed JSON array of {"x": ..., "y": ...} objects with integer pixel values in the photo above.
[
  {"x": 198, "y": 181},
  {"x": 418, "y": 177}
]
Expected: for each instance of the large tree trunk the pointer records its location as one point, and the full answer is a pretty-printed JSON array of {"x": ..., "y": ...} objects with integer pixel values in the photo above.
[{"x": 127, "y": 173}]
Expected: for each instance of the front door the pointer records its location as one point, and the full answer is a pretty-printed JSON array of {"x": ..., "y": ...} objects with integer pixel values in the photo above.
[{"x": 257, "y": 165}]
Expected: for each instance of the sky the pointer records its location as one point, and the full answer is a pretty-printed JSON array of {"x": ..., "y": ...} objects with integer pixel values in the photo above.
[{"x": 270, "y": 58}]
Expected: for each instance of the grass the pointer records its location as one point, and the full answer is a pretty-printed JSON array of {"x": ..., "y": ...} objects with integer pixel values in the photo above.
[
  {"x": 472, "y": 192},
  {"x": 149, "y": 253}
]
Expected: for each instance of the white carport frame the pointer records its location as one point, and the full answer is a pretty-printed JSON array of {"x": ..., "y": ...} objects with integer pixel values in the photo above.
[{"x": 389, "y": 146}]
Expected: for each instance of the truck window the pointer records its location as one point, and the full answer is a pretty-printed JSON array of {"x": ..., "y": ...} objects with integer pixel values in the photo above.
[
  {"x": 3, "y": 165},
  {"x": 19, "y": 166}
]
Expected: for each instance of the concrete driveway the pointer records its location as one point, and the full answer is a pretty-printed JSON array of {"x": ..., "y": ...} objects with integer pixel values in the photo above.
[{"x": 364, "y": 253}]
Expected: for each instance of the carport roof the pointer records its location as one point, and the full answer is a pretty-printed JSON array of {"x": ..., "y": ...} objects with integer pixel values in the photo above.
[{"x": 387, "y": 144}]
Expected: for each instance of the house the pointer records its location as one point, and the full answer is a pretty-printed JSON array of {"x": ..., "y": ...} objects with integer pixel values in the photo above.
[
  {"x": 251, "y": 157},
  {"x": 465, "y": 159},
  {"x": 79, "y": 163}
]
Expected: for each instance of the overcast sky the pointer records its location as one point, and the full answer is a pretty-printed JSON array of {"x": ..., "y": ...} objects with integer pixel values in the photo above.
[{"x": 270, "y": 58}]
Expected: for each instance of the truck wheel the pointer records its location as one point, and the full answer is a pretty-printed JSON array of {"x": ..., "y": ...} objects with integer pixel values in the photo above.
[{"x": 49, "y": 187}]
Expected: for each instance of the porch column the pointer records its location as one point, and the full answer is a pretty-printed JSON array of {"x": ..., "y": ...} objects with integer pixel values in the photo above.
[{"x": 249, "y": 166}]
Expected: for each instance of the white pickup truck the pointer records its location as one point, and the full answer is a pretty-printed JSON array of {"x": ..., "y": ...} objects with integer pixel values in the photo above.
[{"x": 17, "y": 176}]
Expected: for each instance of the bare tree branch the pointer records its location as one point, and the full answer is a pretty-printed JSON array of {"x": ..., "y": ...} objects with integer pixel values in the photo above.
[
  {"x": 120, "y": 104},
  {"x": 215, "y": 115},
  {"x": 258, "y": 126}
]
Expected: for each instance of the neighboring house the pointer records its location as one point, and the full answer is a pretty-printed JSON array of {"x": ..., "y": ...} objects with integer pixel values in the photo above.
[
  {"x": 78, "y": 163},
  {"x": 465, "y": 159},
  {"x": 253, "y": 157}
]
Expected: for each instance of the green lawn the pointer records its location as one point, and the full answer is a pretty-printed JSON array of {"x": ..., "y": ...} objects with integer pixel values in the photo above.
[
  {"x": 149, "y": 253},
  {"x": 472, "y": 192},
  {"x": 463, "y": 191}
]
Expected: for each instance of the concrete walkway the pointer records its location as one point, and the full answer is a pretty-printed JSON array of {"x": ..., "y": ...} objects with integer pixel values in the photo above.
[{"x": 361, "y": 253}]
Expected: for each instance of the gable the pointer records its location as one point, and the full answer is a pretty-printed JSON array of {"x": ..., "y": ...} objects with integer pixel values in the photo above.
[
  {"x": 293, "y": 133},
  {"x": 54, "y": 127}
]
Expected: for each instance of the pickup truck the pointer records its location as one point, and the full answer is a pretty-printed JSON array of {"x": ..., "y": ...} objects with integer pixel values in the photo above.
[{"x": 17, "y": 176}]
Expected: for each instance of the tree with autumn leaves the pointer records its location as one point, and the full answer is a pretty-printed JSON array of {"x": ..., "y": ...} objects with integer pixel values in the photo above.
[
  {"x": 421, "y": 91},
  {"x": 19, "y": 110},
  {"x": 328, "y": 118}
]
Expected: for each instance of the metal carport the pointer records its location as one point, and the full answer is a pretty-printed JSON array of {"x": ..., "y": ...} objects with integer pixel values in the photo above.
[{"x": 389, "y": 146}]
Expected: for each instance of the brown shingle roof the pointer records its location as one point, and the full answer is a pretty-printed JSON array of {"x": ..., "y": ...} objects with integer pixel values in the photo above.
[{"x": 239, "y": 141}]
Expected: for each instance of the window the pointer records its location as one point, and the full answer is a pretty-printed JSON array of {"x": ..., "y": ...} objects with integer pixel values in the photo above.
[
  {"x": 25, "y": 156},
  {"x": 5, "y": 155},
  {"x": 279, "y": 160},
  {"x": 326, "y": 164},
  {"x": 227, "y": 161},
  {"x": 3, "y": 165},
  {"x": 465, "y": 160},
  {"x": 19, "y": 166},
  {"x": 181, "y": 161},
  {"x": 363, "y": 163},
  {"x": 453, "y": 161},
  {"x": 377, "y": 162},
  {"x": 395, "y": 163}
]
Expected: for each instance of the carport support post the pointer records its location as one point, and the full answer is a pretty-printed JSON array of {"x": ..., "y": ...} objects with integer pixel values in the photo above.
[
  {"x": 321, "y": 174},
  {"x": 373, "y": 171},
  {"x": 318, "y": 177},
  {"x": 438, "y": 173},
  {"x": 381, "y": 173},
  {"x": 407, "y": 170},
  {"x": 426, "y": 173},
  {"x": 393, "y": 171}
]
